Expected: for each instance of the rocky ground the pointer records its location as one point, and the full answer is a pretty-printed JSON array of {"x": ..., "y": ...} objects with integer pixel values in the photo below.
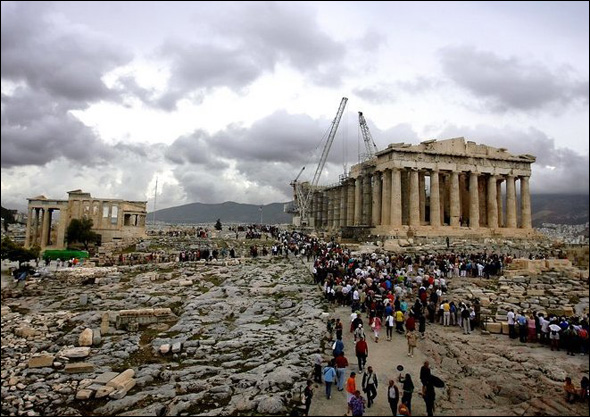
[
  {"x": 237, "y": 339},
  {"x": 243, "y": 334}
]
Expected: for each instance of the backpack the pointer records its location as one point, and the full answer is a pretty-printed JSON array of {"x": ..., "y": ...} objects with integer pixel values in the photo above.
[{"x": 583, "y": 334}]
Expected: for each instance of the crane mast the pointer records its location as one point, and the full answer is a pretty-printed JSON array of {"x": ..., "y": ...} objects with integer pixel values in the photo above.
[
  {"x": 304, "y": 192},
  {"x": 370, "y": 147}
]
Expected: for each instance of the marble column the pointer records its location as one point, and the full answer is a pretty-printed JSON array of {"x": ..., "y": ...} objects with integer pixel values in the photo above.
[
  {"x": 45, "y": 228},
  {"x": 510, "y": 202},
  {"x": 376, "y": 203},
  {"x": 525, "y": 201},
  {"x": 336, "y": 205},
  {"x": 386, "y": 198},
  {"x": 414, "y": 199},
  {"x": 330, "y": 197},
  {"x": 473, "y": 200},
  {"x": 367, "y": 200},
  {"x": 351, "y": 203},
  {"x": 422, "y": 185},
  {"x": 434, "y": 199},
  {"x": 455, "y": 209},
  {"x": 396, "y": 197},
  {"x": 344, "y": 205},
  {"x": 358, "y": 200},
  {"x": 499, "y": 202},
  {"x": 492, "y": 206},
  {"x": 29, "y": 226}
]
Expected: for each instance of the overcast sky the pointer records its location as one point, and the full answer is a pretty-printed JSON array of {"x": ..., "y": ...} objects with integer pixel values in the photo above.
[{"x": 227, "y": 101}]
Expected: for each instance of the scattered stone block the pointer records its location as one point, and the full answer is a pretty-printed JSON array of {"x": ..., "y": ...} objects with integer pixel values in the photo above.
[
  {"x": 96, "y": 337},
  {"x": 76, "y": 353},
  {"x": 83, "y": 299},
  {"x": 41, "y": 361},
  {"x": 164, "y": 349},
  {"x": 105, "y": 377},
  {"x": 119, "y": 381},
  {"x": 104, "y": 391},
  {"x": 79, "y": 367},
  {"x": 104, "y": 323},
  {"x": 494, "y": 328},
  {"x": 85, "y": 338},
  {"x": 84, "y": 394},
  {"x": 176, "y": 347},
  {"x": 121, "y": 392}
]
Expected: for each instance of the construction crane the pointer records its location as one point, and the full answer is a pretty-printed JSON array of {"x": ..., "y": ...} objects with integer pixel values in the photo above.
[
  {"x": 303, "y": 191},
  {"x": 370, "y": 147}
]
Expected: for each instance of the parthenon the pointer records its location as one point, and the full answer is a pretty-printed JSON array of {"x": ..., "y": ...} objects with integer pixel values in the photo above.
[
  {"x": 113, "y": 219},
  {"x": 449, "y": 187}
]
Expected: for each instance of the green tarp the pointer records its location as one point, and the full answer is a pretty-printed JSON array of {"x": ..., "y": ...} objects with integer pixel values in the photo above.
[{"x": 64, "y": 254}]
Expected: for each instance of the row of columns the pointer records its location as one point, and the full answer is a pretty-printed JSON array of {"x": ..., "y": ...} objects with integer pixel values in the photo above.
[
  {"x": 396, "y": 197},
  {"x": 39, "y": 225}
]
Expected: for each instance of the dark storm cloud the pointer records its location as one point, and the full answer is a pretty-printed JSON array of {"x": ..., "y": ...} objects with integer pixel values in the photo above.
[
  {"x": 269, "y": 155},
  {"x": 557, "y": 170},
  {"x": 387, "y": 93},
  {"x": 36, "y": 130},
  {"x": 54, "y": 67},
  {"x": 48, "y": 54},
  {"x": 244, "y": 43},
  {"x": 511, "y": 82}
]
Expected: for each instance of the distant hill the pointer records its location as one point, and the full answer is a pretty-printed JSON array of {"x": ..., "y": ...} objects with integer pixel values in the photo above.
[
  {"x": 228, "y": 212},
  {"x": 559, "y": 208},
  {"x": 547, "y": 208}
]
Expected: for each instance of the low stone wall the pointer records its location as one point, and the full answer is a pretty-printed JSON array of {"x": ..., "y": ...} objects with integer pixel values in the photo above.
[{"x": 132, "y": 319}]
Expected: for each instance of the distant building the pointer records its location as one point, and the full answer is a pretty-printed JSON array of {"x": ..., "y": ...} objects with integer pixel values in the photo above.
[{"x": 113, "y": 219}]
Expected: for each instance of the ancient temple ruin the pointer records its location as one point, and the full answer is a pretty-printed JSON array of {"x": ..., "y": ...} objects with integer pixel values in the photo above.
[
  {"x": 113, "y": 219},
  {"x": 451, "y": 187}
]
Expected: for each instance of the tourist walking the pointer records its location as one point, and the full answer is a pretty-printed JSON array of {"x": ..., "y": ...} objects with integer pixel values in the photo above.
[
  {"x": 362, "y": 351},
  {"x": 317, "y": 367},
  {"x": 356, "y": 405},
  {"x": 389, "y": 320},
  {"x": 412, "y": 337},
  {"x": 350, "y": 386},
  {"x": 393, "y": 396},
  {"x": 341, "y": 365},
  {"x": 376, "y": 326},
  {"x": 329, "y": 378},
  {"x": 370, "y": 385},
  {"x": 429, "y": 395},
  {"x": 408, "y": 390},
  {"x": 308, "y": 395}
]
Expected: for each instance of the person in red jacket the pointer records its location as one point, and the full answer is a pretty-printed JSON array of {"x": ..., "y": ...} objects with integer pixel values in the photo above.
[{"x": 362, "y": 352}]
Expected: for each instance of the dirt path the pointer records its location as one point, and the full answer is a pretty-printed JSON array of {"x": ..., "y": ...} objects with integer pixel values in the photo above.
[{"x": 384, "y": 357}]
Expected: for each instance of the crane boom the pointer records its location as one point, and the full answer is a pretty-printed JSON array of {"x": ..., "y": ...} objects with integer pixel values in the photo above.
[
  {"x": 303, "y": 192},
  {"x": 334, "y": 128},
  {"x": 370, "y": 146}
]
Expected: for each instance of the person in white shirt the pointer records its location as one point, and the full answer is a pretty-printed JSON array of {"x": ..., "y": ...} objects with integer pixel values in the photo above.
[{"x": 511, "y": 330}]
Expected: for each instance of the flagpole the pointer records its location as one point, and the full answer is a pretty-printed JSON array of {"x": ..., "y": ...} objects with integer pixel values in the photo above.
[{"x": 155, "y": 197}]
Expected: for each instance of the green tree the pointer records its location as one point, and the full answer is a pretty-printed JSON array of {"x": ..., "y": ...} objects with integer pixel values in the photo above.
[
  {"x": 8, "y": 218},
  {"x": 16, "y": 253},
  {"x": 80, "y": 231},
  {"x": 218, "y": 225}
]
